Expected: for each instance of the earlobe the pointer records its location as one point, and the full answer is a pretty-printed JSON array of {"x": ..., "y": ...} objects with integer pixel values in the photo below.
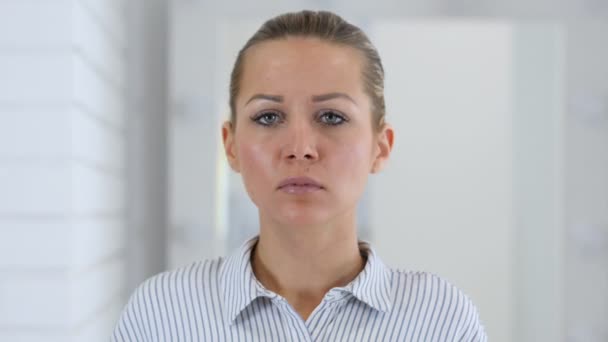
[
  {"x": 383, "y": 148},
  {"x": 229, "y": 150}
]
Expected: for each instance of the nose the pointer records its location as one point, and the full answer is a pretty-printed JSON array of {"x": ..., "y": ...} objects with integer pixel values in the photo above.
[{"x": 300, "y": 143}]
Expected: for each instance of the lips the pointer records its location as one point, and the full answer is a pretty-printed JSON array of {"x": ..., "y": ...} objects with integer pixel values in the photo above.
[{"x": 299, "y": 185}]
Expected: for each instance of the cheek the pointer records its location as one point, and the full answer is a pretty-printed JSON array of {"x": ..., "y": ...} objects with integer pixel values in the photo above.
[
  {"x": 255, "y": 161},
  {"x": 354, "y": 159}
]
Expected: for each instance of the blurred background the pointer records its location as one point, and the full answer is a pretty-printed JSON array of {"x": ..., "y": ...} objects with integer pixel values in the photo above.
[{"x": 111, "y": 164}]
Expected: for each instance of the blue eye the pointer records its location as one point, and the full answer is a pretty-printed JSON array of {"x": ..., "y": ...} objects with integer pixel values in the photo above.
[
  {"x": 332, "y": 118},
  {"x": 267, "y": 119}
]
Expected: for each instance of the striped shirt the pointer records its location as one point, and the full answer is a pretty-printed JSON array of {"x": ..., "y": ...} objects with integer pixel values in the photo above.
[{"x": 221, "y": 300}]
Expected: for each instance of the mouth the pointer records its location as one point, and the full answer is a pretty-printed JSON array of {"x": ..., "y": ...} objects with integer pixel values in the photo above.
[{"x": 299, "y": 185}]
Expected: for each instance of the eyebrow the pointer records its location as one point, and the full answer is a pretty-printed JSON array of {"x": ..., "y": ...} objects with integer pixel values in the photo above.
[
  {"x": 315, "y": 98},
  {"x": 331, "y": 96},
  {"x": 274, "y": 98}
]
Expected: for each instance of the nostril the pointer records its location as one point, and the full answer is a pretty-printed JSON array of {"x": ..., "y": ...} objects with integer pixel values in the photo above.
[{"x": 295, "y": 156}]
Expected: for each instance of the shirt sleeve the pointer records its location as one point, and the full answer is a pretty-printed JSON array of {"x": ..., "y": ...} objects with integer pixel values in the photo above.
[
  {"x": 133, "y": 324},
  {"x": 472, "y": 329}
]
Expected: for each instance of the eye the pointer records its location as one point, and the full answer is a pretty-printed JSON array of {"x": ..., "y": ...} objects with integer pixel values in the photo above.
[
  {"x": 332, "y": 118},
  {"x": 267, "y": 118}
]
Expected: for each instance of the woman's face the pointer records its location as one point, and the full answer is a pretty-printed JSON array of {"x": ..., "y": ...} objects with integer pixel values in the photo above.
[{"x": 304, "y": 142}]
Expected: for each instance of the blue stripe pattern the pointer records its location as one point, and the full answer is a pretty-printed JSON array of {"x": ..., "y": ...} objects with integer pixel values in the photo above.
[{"x": 221, "y": 300}]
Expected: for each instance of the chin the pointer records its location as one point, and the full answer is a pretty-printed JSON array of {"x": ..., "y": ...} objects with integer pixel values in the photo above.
[
  {"x": 300, "y": 212},
  {"x": 303, "y": 217}
]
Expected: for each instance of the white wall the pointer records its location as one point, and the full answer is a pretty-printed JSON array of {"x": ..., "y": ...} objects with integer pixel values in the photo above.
[
  {"x": 586, "y": 182},
  {"x": 62, "y": 169},
  {"x": 474, "y": 189},
  {"x": 147, "y": 150},
  {"x": 444, "y": 203},
  {"x": 194, "y": 136},
  {"x": 538, "y": 182}
]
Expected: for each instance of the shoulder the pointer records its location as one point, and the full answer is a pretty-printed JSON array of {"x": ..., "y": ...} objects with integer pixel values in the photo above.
[
  {"x": 196, "y": 276},
  {"x": 157, "y": 301},
  {"x": 423, "y": 282},
  {"x": 435, "y": 298}
]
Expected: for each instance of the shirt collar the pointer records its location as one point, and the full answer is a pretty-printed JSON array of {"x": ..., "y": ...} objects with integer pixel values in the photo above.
[
  {"x": 373, "y": 284},
  {"x": 240, "y": 286}
]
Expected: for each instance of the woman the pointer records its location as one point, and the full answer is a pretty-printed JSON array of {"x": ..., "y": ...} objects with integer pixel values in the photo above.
[{"x": 306, "y": 129}]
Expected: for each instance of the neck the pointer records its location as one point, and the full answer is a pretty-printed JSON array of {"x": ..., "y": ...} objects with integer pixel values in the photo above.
[{"x": 302, "y": 264}]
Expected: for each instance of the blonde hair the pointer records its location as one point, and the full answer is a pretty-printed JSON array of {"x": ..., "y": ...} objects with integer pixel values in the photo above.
[{"x": 328, "y": 27}]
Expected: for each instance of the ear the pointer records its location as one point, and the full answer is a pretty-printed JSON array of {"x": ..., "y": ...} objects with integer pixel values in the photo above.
[
  {"x": 383, "y": 148},
  {"x": 229, "y": 149}
]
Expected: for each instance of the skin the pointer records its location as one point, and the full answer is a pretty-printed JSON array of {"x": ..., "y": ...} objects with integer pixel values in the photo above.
[{"x": 291, "y": 123}]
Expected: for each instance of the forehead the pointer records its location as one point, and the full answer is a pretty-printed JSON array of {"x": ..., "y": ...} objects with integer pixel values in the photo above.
[{"x": 301, "y": 65}]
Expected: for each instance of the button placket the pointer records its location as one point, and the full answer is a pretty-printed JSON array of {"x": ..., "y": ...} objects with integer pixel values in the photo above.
[
  {"x": 332, "y": 310},
  {"x": 291, "y": 317}
]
